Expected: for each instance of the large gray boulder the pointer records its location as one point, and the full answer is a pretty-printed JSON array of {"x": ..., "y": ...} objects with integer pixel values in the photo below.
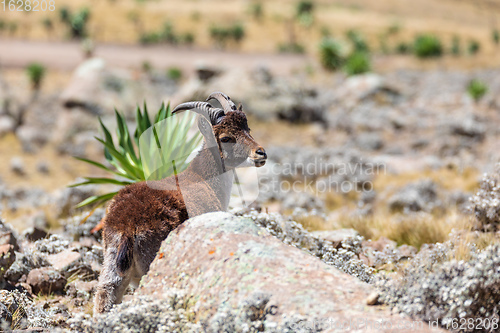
[{"x": 236, "y": 277}]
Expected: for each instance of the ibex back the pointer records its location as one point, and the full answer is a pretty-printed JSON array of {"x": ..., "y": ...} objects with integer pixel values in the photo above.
[{"x": 141, "y": 216}]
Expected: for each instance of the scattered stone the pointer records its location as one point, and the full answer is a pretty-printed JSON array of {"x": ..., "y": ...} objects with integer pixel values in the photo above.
[
  {"x": 380, "y": 244},
  {"x": 25, "y": 262},
  {"x": 53, "y": 244},
  {"x": 65, "y": 260},
  {"x": 84, "y": 88},
  {"x": 17, "y": 166},
  {"x": 81, "y": 289},
  {"x": 419, "y": 196},
  {"x": 336, "y": 236},
  {"x": 46, "y": 280},
  {"x": 70, "y": 263},
  {"x": 370, "y": 141},
  {"x": 206, "y": 73},
  {"x": 33, "y": 234},
  {"x": 38, "y": 220},
  {"x": 68, "y": 198},
  {"x": 7, "y": 125},
  {"x": 372, "y": 299},
  {"x": 25, "y": 313},
  {"x": 469, "y": 127},
  {"x": 7, "y": 258},
  {"x": 7, "y": 236},
  {"x": 43, "y": 167}
]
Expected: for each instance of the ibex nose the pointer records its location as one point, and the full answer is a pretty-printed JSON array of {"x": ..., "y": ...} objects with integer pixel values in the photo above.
[{"x": 261, "y": 152}]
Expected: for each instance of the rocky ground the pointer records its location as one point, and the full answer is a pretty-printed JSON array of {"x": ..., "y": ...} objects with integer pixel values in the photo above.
[{"x": 388, "y": 206}]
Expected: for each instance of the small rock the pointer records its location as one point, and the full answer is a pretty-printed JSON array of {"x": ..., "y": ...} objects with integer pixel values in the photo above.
[
  {"x": 38, "y": 220},
  {"x": 82, "y": 289},
  {"x": 46, "y": 280},
  {"x": 336, "y": 236},
  {"x": 65, "y": 260},
  {"x": 380, "y": 244},
  {"x": 372, "y": 299},
  {"x": 33, "y": 234},
  {"x": 68, "y": 198},
  {"x": 406, "y": 251},
  {"x": 17, "y": 166},
  {"x": 7, "y": 258},
  {"x": 205, "y": 73},
  {"x": 7, "y": 237},
  {"x": 42, "y": 167},
  {"x": 7, "y": 124}
]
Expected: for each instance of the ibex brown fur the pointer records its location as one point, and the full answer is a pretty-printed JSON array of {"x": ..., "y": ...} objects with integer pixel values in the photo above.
[{"x": 141, "y": 216}]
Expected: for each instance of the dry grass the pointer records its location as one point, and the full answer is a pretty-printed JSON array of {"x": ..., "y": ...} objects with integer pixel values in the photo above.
[
  {"x": 449, "y": 178},
  {"x": 414, "y": 229}
]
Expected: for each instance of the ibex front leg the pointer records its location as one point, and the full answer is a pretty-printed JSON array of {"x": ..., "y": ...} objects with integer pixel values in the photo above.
[{"x": 115, "y": 275}]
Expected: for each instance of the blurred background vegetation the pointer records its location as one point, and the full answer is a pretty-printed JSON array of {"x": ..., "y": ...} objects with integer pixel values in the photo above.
[{"x": 464, "y": 33}]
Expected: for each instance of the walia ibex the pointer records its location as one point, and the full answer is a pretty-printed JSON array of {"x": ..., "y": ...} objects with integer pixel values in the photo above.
[{"x": 142, "y": 215}]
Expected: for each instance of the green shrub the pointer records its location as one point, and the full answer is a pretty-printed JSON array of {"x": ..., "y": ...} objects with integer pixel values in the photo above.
[
  {"x": 168, "y": 34},
  {"x": 384, "y": 48},
  {"x": 477, "y": 89},
  {"x": 473, "y": 47},
  {"x": 188, "y": 38},
  {"x": 221, "y": 35},
  {"x": 455, "y": 46},
  {"x": 403, "y": 48},
  {"x": 48, "y": 24},
  {"x": 304, "y": 7},
  {"x": 304, "y": 13},
  {"x": 495, "y": 36},
  {"x": 146, "y": 66},
  {"x": 3, "y": 25},
  {"x": 195, "y": 16},
  {"x": 332, "y": 55},
  {"x": 149, "y": 38},
  {"x": 174, "y": 73},
  {"x": 128, "y": 165},
  {"x": 393, "y": 29},
  {"x": 291, "y": 48},
  {"x": 36, "y": 73},
  {"x": 358, "y": 42},
  {"x": 357, "y": 63},
  {"x": 325, "y": 31},
  {"x": 13, "y": 27},
  {"x": 427, "y": 46},
  {"x": 256, "y": 10},
  {"x": 76, "y": 23},
  {"x": 237, "y": 32},
  {"x": 65, "y": 15}
]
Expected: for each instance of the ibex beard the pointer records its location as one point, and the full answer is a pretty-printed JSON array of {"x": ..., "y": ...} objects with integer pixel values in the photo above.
[{"x": 142, "y": 215}]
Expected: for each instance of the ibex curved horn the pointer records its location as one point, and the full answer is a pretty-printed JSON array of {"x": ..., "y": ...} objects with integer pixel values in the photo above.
[
  {"x": 224, "y": 100},
  {"x": 214, "y": 115}
]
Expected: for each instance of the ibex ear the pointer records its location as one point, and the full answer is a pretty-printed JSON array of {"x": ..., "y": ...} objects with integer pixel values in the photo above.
[
  {"x": 240, "y": 107},
  {"x": 206, "y": 130}
]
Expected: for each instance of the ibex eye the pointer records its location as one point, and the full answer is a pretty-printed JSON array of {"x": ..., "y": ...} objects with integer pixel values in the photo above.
[{"x": 226, "y": 139}]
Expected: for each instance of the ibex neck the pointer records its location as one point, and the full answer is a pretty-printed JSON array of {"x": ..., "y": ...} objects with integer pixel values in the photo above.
[{"x": 209, "y": 166}]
